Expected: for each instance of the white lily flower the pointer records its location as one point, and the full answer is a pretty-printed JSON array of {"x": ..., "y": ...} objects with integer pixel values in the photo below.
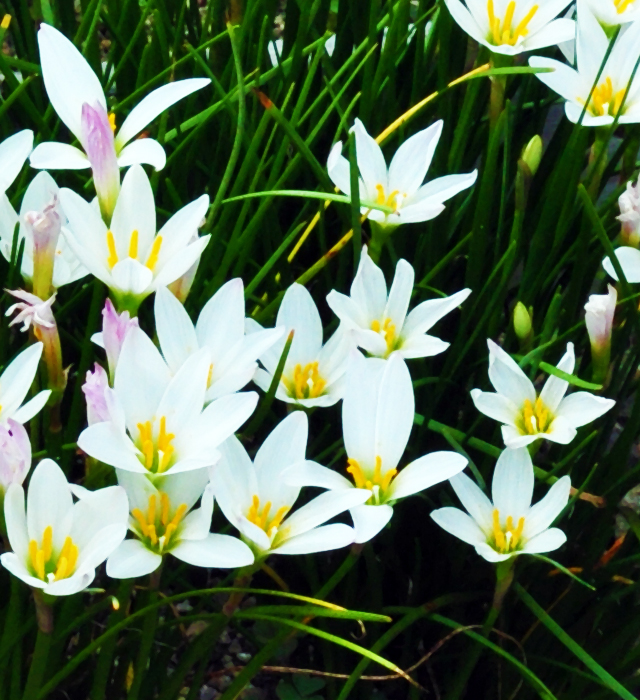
[
  {"x": 15, "y": 382},
  {"x": 164, "y": 521},
  {"x": 77, "y": 96},
  {"x": 629, "y": 203},
  {"x": 256, "y": 498},
  {"x": 612, "y": 13},
  {"x": 399, "y": 187},
  {"x": 380, "y": 323},
  {"x": 313, "y": 373},
  {"x": 510, "y": 525},
  {"x": 511, "y": 27},
  {"x": 377, "y": 417},
  {"x": 629, "y": 260},
  {"x": 158, "y": 424},
  {"x": 129, "y": 257},
  {"x": 57, "y": 545},
  {"x": 527, "y": 416},
  {"x": 604, "y": 102},
  {"x": 221, "y": 329},
  {"x": 41, "y": 195}
]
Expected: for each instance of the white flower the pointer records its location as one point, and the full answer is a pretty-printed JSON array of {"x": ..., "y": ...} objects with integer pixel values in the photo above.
[
  {"x": 599, "y": 312},
  {"x": 527, "y": 416},
  {"x": 129, "y": 257},
  {"x": 612, "y": 13},
  {"x": 15, "y": 455},
  {"x": 510, "y": 525},
  {"x": 158, "y": 424},
  {"x": 221, "y": 329},
  {"x": 604, "y": 102},
  {"x": 512, "y": 26},
  {"x": 15, "y": 382},
  {"x": 42, "y": 194},
  {"x": 13, "y": 153},
  {"x": 629, "y": 261},
  {"x": 77, "y": 96},
  {"x": 629, "y": 202},
  {"x": 377, "y": 417},
  {"x": 399, "y": 187},
  {"x": 256, "y": 498},
  {"x": 57, "y": 544},
  {"x": 164, "y": 521},
  {"x": 379, "y": 323},
  {"x": 313, "y": 372}
]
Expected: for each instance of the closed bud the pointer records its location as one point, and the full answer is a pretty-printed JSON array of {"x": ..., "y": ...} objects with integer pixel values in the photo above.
[
  {"x": 629, "y": 202},
  {"x": 599, "y": 313},
  {"x": 94, "y": 388},
  {"x": 522, "y": 322},
  {"x": 532, "y": 154}
]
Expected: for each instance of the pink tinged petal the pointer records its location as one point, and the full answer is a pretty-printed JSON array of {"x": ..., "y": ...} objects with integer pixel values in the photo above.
[
  {"x": 15, "y": 454},
  {"x": 495, "y": 406},
  {"x": 58, "y": 156},
  {"x": 512, "y": 486},
  {"x": 507, "y": 378},
  {"x": 96, "y": 137},
  {"x": 487, "y": 552},
  {"x": 629, "y": 260},
  {"x": 425, "y": 472},
  {"x": 94, "y": 393},
  {"x": 555, "y": 388},
  {"x": 513, "y": 439},
  {"x": 13, "y": 153},
  {"x": 104, "y": 442},
  {"x": 321, "y": 539},
  {"x": 132, "y": 559},
  {"x": 310, "y": 473},
  {"x": 599, "y": 313},
  {"x": 16, "y": 520},
  {"x": 457, "y": 523},
  {"x": 543, "y": 513},
  {"x": 115, "y": 328},
  {"x": 400, "y": 294},
  {"x": 412, "y": 160},
  {"x": 338, "y": 169},
  {"x": 368, "y": 521},
  {"x": 371, "y": 162},
  {"x": 214, "y": 552},
  {"x": 154, "y": 104},
  {"x": 546, "y": 541},
  {"x": 68, "y": 78},
  {"x": 175, "y": 330},
  {"x": 442, "y": 188},
  {"x": 143, "y": 151},
  {"x": 581, "y": 408},
  {"x": 14, "y": 565},
  {"x": 428, "y": 313},
  {"x": 474, "y": 500}
]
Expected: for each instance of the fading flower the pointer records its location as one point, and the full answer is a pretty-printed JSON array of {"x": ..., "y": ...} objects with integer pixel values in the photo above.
[
  {"x": 15, "y": 455},
  {"x": 115, "y": 327},
  {"x": 94, "y": 388},
  {"x": 629, "y": 202}
]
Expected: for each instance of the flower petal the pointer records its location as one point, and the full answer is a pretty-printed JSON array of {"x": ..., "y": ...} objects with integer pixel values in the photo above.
[
  {"x": 371, "y": 162},
  {"x": 543, "y": 513},
  {"x": 131, "y": 560},
  {"x": 17, "y": 378},
  {"x": 214, "y": 552},
  {"x": 582, "y": 407},
  {"x": 28, "y": 410},
  {"x": 411, "y": 161},
  {"x": 321, "y": 539},
  {"x": 507, "y": 378},
  {"x": 512, "y": 486},
  {"x": 424, "y": 472},
  {"x": 13, "y": 153},
  {"x": 555, "y": 388},
  {"x": 546, "y": 541},
  {"x": 16, "y": 520},
  {"x": 400, "y": 294},
  {"x": 428, "y": 313},
  {"x": 495, "y": 406},
  {"x": 459, "y": 524},
  {"x": 58, "y": 156},
  {"x": 49, "y": 502},
  {"x": 143, "y": 151},
  {"x": 310, "y": 473},
  {"x": 629, "y": 259},
  {"x": 368, "y": 521},
  {"x": 299, "y": 312},
  {"x": 175, "y": 330},
  {"x": 442, "y": 188},
  {"x": 474, "y": 500}
]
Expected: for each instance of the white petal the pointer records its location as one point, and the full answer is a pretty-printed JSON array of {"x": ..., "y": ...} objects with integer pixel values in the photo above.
[
  {"x": 299, "y": 312},
  {"x": 513, "y": 439},
  {"x": 49, "y": 502},
  {"x": 58, "y": 156},
  {"x": 459, "y": 524},
  {"x": 555, "y": 388},
  {"x": 338, "y": 169},
  {"x": 28, "y": 410},
  {"x": 543, "y": 513},
  {"x": 554, "y": 33},
  {"x": 143, "y": 151},
  {"x": 104, "y": 442},
  {"x": 13, "y": 153},
  {"x": 216, "y": 551},
  {"x": 321, "y": 539},
  {"x": 154, "y": 104},
  {"x": 428, "y": 313},
  {"x": 371, "y": 162},
  {"x": 131, "y": 560},
  {"x": 487, "y": 552},
  {"x": 546, "y": 541},
  {"x": 582, "y": 407},
  {"x": 424, "y": 210},
  {"x": 560, "y": 431},
  {"x": 421, "y": 346},
  {"x": 72, "y": 585},
  {"x": 400, "y": 294},
  {"x": 369, "y": 289},
  {"x": 15, "y": 566},
  {"x": 220, "y": 324},
  {"x": 495, "y": 406},
  {"x": 474, "y": 500},
  {"x": 310, "y": 473},
  {"x": 412, "y": 160},
  {"x": 442, "y": 188},
  {"x": 424, "y": 472},
  {"x": 507, "y": 378},
  {"x": 16, "y": 520},
  {"x": 17, "y": 379},
  {"x": 368, "y": 521},
  {"x": 463, "y": 17},
  {"x": 175, "y": 330},
  {"x": 135, "y": 210},
  {"x": 131, "y": 277},
  {"x": 629, "y": 259},
  {"x": 512, "y": 486}
]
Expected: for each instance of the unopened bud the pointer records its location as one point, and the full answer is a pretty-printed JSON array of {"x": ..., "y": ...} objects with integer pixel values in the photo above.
[
  {"x": 629, "y": 202},
  {"x": 94, "y": 389},
  {"x": 532, "y": 154},
  {"x": 115, "y": 327},
  {"x": 599, "y": 313},
  {"x": 522, "y": 323}
]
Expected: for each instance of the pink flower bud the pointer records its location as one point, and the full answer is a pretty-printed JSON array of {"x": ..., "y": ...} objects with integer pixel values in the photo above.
[
  {"x": 99, "y": 145},
  {"x": 600, "y": 310},
  {"x": 115, "y": 327},
  {"x": 94, "y": 389},
  {"x": 15, "y": 454},
  {"x": 629, "y": 202}
]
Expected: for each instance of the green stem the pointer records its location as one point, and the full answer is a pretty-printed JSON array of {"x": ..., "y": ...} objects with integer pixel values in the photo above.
[
  {"x": 379, "y": 236},
  {"x": 44, "y": 614}
]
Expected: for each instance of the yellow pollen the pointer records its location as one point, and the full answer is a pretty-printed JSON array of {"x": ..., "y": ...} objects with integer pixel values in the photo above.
[
  {"x": 112, "y": 121},
  {"x": 536, "y": 418},
  {"x": 383, "y": 200},
  {"x": 507, "y": 540},
  {"x": 113, "y": 253},
  {"x": 306, "y": 382},
  {"x": 163, "y": 447},
  {"x": 502, "y": 33},
  {"x": 388, "y": 330},
  {"x": 622, "y": 5},
  {"x": 45, "y": 566},
  {"x": 378, "y": 479},
  {"x": 603, "y": 100},
  {"x": 154, "y": 524},
  {"x": 260, "y": 516},
  {"x": 164, "y": 500},
  {"x": 152, "y": 260},
  {"x": 133, "y": 244}
]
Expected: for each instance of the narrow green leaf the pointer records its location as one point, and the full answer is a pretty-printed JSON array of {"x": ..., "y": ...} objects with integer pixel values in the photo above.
[{"x": 571, "y": 378}]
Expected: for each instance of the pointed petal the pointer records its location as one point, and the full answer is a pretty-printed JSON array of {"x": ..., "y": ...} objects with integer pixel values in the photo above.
[
  {"x": 424, "y": 210},
  {"x": 16, "y": 520},
  {"x": 546, "y": 541},
  {"x": 507, "y": 378},
  {"x": 369, "y": 289},
  {"x": 425, "y": 472},
  {"x": 543, "y": 513},
  {"x": 400, "y": 294},
  {"x": 104, "y": 442},
  {"x": 49, "y": 502},
  {"x": 135, "y": 210},
  {"x": 17, "y": 379},
  {"x": 582, "y": 407},
  {"x": 495, "y": 406},
  {"x": 442, "y": 188},
  {"x": 310, "y": 473},
  {"x": 321, "y": 539},
  {"x": 13, "y": 153},
  {"x": 338, "y": 169},
  {"x": 220, "y": 325},
  {"x": 512, "y": 486},
  {"x": 132, "y": 559},
  {"x": 412, "y": 160},
  {"x": 216, "y": 551},
  {"x": 474, "y": 500},
  {"x": 371, "y": 162},
  {"x": 28, "y": 410},
  {"x": 141, "y": 151},
  {"x": 175, "y": 330},
  {"x": 629, "y": 259},
  {"x": 428, "y": 313},
  {"x": 459, "y": 524},
  {"x": 368, "y": 521},
  {"x": 555, "y": 388},
  {"x": 58, "y": 156}
]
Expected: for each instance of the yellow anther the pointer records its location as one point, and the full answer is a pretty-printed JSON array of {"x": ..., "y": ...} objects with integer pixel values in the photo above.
[
  {"x": 502, "y": 32},
  {"x": 306, "y": 382},
  {"x": 507, "y": 540},
  {"x": 133, "y": 244},
  {"x": 210, "y": 375},
  {"x": 387, "y": 479},
  {"x": 152, "y": 260},
  {"x": 536, "y": 417},
  {"x": 163, "y": 446},
  {"x": 379, "y": 479},
  {"x": 277, "y": 519},
  {"x": 6, "y": 21},
  {"x": 179, "y": 514},
  {"x": 112, "y": 259},
  {"x": 151, "y": 512},
  {"x": 260, "y": 516},
  {"x": 112, "y": 121},
  {"x": 497, "y": 531},
  {"x": 62, "y": 570},
  {"x": 153, "y": 530},
  {"x": 47, "y": 540},
  {"x": 356, "y": 472},
  {"x": 388, "y": 331},
  {"x": 141, "y": 520},
  {"x": 40, "y": 557},
  {"x": 151, "y": 533},
  {"x": 383, "y": 200},
  {"x": 621, "y": 5},
  {"x": 603, "y": 100},
  {"x": 164, "y": 515}
]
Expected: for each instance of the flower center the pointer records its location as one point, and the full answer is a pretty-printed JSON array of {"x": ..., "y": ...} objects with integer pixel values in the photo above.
[
  {"x": 390, "y": 201},
  {"x": 260, "y": 516},
  {"x": 378, "y": 482},
  {"x": 503, "y": 32},
  {"x": 156, "y": 526},
  {"x": 152, "y": 259},
  {"x": 388, "y": 331},
  {"x": 507, "y": 538},
  {"x": 536, "y": 417},
  {"x": 604, "y": 101},
  {"x": 156, "y": 456},
  {"x": 48, "y": 567},
  {"x": 306, "y": 382},
  {"x": 622, "y": 5}
]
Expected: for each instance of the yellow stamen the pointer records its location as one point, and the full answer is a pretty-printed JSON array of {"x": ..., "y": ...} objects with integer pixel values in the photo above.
[
  {"x": 502, "y": 33},
  {"x": 356, "y": 472},
  {"x": 164, "y": 499},
  {"x": 377, "y": 480},
  {"x": 6, "y": 21},
  {"x": 152, "y": 260},
  {"x": 497, "y": 530},
  {"x": 62, "y": 570},
  {"x": 306, "y": 382},
  {"x": 152, "y": 534},
  {"x": 507, "y": 540},
  {"x": 113, "y": 253},
  {"x": 133, "y": 244},
  {"x": 383, "y": 200},
  {"x": 536, "y": 418},
  {"x": 112, "y": 121},
  {"x": 210, "y": 375},
  {"x": 140, "y": 519},
  {"x": 260, "y": 516},
  {"x": 164, "y": 445},
  {"x": 622, "y": 5},
  {"x": 388, "y": 331},
  {"x": 151, "y": 513},
  {"x": 47, "y": 540}
]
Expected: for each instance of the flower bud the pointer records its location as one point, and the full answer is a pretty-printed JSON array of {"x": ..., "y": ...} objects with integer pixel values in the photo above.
[
  {"x": 532, "y": 154},
  {"x": 523, "y": 325},
  {"x": 629, "y": 202},
  {"x": 115, "y": 327},
  {"x": 15, "y": 455},
  {"x": 44, "y": 227},
  {"x": 96, "y": 383},
  {"x": 599, "y": 313}
]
